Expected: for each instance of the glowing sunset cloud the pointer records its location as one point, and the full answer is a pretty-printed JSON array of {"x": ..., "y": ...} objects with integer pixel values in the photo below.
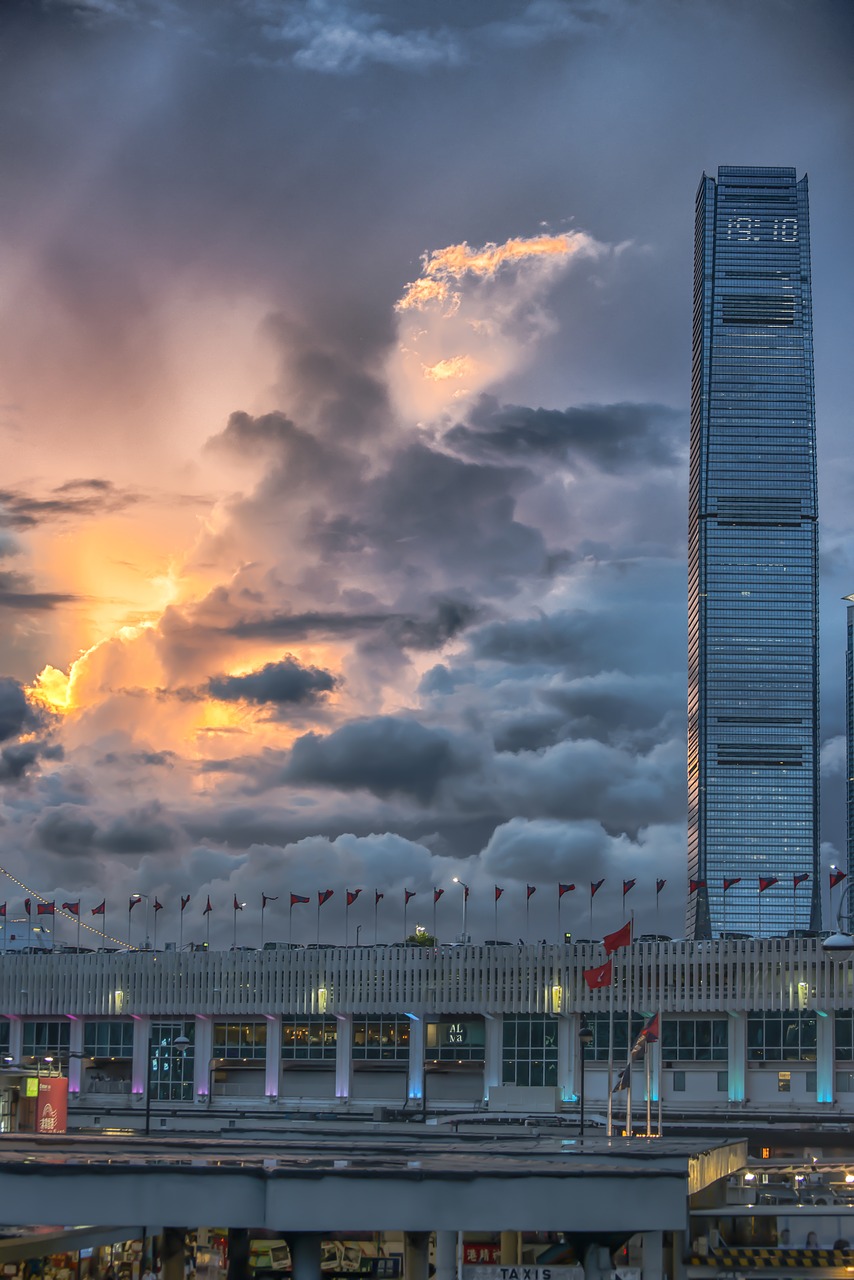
[
  {"x": 474, "y": 315},
  {"x": 457, "y": 261}
]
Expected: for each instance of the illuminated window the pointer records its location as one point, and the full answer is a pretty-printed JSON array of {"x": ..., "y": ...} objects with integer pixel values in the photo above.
[
  {"x": 529, "y": 1050},
  {"x": 381, "y": 1039},
  {"x": 311, "y": 1039},
  {"x": 108, "y": 1039},
  {"x": 240, "y": 1040}
]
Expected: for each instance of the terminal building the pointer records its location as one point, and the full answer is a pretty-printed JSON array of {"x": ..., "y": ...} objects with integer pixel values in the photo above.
[{"x": 211, "y": 1040}]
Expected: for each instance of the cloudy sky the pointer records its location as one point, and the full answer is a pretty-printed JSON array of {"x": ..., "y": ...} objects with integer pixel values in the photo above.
[{"x": 344, "y": 372}]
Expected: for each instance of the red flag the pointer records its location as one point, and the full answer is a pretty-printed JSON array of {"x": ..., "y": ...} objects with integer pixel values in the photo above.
[
  {"x": 100, "y": 911},
  {"x": 623, "y": 1079},
  {"x": 238, "y": 906},
  {"x": 184, "y": 901},
  {"x": 324, "y": 896},
  {"x": 659, "y": 885},
  {"x": 407, "y": 894},
  {"x": 532, "y": 888},
  {"x": 627, "y": 885},
  {"x": 45, "y": 908},
  {"x": 601, "y": 977},
  {"x": 595, "y": 886},
  {"x": 766, "y": 882},
  {"x": 732, "y": 880},
  {"x": 2, "y": 910},
  {"x": 156, "y": 906},
  {"x": 72, "y": 907},
  {"x": 564, "y": 888},
  {"x": 297, "y": 897},
  {"x": 268, "y": 897},
  {"x": 652, "y": 1030},
  {"x": 27, "y": 905},
  {"x": 437, "y": 893},
  {"x": 132, "y": 901},
  {"x": 799, "y": 879},
  {"x": 378, "y": 897},
  {"x": 694, "y": 885},
  {"x": 498, "y": 892},
  {"x": 208, "y": 906},
  {"x": 837, "y": 875},
  {"x": 352, "y": 895},
  {"x": 620, "y": 938}
]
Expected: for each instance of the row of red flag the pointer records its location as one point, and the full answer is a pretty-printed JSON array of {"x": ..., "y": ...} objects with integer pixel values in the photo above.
[{"x": 323, "y": 896}]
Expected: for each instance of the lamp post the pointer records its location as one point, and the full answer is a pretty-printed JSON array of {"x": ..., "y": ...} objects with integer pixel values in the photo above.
[
  {"x": 180, "y": 1045},
  {"x": 585, "y": 1038},
  {"x": 465, "y": 890},
  {"x": 841, "y": 943}
]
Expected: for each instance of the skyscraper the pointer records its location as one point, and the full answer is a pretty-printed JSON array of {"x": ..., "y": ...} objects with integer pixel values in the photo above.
[{"x": 753, "y": 618}]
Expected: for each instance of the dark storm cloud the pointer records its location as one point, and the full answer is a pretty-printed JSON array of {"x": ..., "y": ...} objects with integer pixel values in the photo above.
[
  {"x": 385, "y": 755},
  {"x": 72, "y": 830},
  {"x": 282, "y": 682},
  {"x": 16, "y": 760},
  {"x": 575, "y": 639},
  {"x": 614, "y": 438},
  {"x": 17, "y": 713},
  {"x": 73, "y": 500},
  {"x": 15, "y": 594}
]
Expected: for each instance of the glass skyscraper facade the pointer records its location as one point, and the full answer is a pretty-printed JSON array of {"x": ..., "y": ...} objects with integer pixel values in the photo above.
[
  {"x": 848, "y": 866},
  {"x": 753, "y": 615}
]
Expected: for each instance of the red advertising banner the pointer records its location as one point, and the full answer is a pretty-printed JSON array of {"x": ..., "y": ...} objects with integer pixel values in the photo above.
[
  {"x": 52, "y": 1105},
  {"x": 489, "y": 1253}
]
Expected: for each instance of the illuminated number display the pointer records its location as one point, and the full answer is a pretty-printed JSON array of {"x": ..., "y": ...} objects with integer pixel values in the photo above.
[{"x": 746, "y": 229}]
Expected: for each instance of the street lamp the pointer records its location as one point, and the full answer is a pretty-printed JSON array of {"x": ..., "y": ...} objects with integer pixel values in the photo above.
[
  {"x": 179, "y": 1045},
  {"x": 841, "y": 943},
  {"x": 465, "y": 890},
  {"x": 585, "y": 1038}
]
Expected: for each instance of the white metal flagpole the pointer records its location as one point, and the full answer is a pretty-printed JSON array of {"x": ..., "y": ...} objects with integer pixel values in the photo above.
[{"x": 611, "y": 1052}]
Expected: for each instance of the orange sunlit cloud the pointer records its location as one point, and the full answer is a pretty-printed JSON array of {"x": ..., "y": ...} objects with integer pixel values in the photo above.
[{"x": 474, "y": 315}]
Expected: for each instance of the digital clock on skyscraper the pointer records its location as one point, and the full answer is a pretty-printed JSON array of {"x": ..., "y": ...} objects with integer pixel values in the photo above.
[{"x": 746, "y": 228}]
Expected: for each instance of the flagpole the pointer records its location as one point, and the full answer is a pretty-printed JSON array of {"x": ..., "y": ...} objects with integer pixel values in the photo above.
[
  {"x": 760, "y": 912},
  {"x": 376, "y": 913},
  {"x": 527, "y": 917},
  {"x": 405, "y": 907},
  {"x": 434, "y": 915},
  {"x": 794, "y": 906},
  {"x": 318, "y": 919},
  {"x": 648, "y": 1091},
  {"x": 104, "y": 924},
  {"x": 155, "y": 932},
  {"x": 591, "y": 911},
  {"x": 496, "y": 916},
  {"x": 78, "y": 928},
  {"x": 629, "y": 994},
  {"x": 610, "y": 1130},
  {"x": 181, "y": 929},
  {"x": 208, "y": 934},
  {"x": 263, "y": 905},
  {"x": 724, "y": 910},
  {"x": 346, "y": 917}
]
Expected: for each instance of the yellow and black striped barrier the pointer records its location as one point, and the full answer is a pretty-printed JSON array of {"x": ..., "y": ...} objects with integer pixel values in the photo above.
[{"x": 765, "y": 1258}]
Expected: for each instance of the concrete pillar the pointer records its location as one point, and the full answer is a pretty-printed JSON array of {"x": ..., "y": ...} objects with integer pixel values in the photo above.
[
  {"x": 75, "y": 1046},
  {"x": 203, "y": 1044},
  {"x": 494, "y": 1037},
  {"x": 305, "y": 1250},
  {"x": 677, "y": 1260},
  {"x": 16, "y": 1039},
  {"x": 344, "y": 1058},
  {"x": 567, "y": 1053},
  {"x": 238, "y": 1253},
  {"x": 140, "y": 1065},
  {"x": 597, "y": 1262},
  {"x": 274, "y": 1057},
  {"x": 172, "y": 1253},
  {"x": 825, "y": 1056},
  {"x": 416, "y": 1255},
  {"x": 446, "y": 1255},
  {"x": 737, "y": 1057},
  {"x": 511, "y": 1248},
  {"x": 415, "y": 1083},
  {"x": 652, "y": 1267}
]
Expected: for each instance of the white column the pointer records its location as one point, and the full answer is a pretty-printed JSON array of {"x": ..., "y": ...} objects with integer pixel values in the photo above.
[
  {"x": 140, "y": 1066},
  {"x": 75, "y": 1046},
  {"x": 416, "y": 1255},
  {"x": 737, "y": 1057},
  {"x": 825, "y": 1058},
  {"x": 567, "y": 1054},
  {"x": 653, "y": 1255},
  {"x": 344, "y": 1057},
  {"x": 494, "y": 1035},
  {"x": 415, "y": 1082},
  {"x": 446, "y": 1255},
  {"x": 203, "y": 1051},
  {"x": 274, "y": 1057},
  {"x": 16, "y": 1039}
]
